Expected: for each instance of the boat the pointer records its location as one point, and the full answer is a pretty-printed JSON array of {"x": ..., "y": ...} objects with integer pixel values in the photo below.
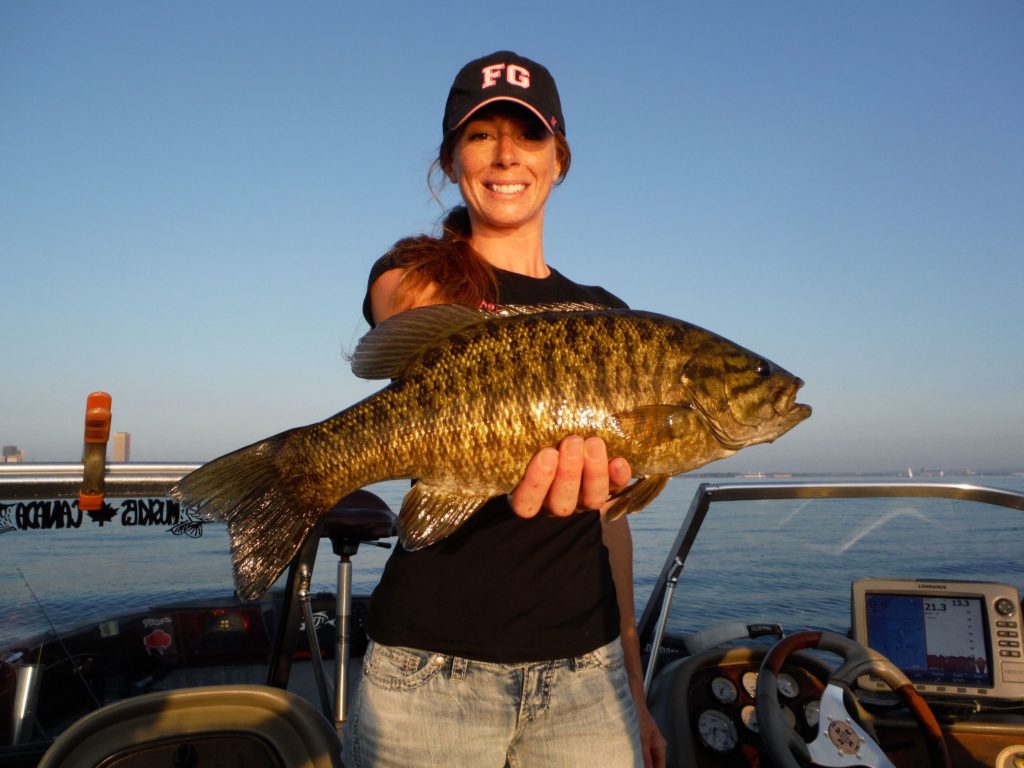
[{"x": 765, "y": 633}]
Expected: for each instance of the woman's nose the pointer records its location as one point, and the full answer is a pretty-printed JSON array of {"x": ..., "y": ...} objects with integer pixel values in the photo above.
[{"x": 506, "y": 151}]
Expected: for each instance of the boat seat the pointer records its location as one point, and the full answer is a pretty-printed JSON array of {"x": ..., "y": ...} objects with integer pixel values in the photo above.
[
  {"x": 359, "y": 517},
  {"x": 251, "y": 725}
]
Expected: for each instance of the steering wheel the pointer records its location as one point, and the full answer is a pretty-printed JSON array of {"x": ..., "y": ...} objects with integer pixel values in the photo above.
[{"x": 841, "y": 740}]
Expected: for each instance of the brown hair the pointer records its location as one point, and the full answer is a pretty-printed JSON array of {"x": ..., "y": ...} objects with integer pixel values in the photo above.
[{"x": 447, "y": 265}]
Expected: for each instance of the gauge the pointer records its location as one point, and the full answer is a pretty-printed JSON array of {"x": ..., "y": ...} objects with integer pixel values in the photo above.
[
  {"x": 811, "y": 712},
  {"x": 750, "y": 683},
  {"x": 723, "y": 689},
  {"x": 749, "y": 717},
  {"x": 1011, "y": 757},
  {"x": 717, "y": 731},
  {"x": 788, "y": 686}
]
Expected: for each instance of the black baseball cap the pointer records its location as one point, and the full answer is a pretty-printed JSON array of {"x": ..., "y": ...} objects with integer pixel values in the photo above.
[{"x": 503, "y": 76}]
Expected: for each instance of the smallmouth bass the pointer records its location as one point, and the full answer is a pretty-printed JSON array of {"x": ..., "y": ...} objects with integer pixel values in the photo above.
[{"x": 474, "y": 395}]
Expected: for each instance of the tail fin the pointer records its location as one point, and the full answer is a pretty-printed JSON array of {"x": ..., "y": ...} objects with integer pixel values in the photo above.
[{"x": 267, "y": 527}]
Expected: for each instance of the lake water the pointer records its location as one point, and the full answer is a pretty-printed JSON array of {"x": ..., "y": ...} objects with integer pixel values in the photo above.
[{"x": 60, "y": 574}]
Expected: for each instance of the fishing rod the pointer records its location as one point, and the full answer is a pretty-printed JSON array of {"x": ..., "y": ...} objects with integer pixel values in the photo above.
[
  {"x": 60, "y": 640},
  {"x": 90, "y": 498}
]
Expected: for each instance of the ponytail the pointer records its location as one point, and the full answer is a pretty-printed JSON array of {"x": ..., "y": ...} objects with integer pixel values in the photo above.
[{"x": 447, "y": 266}]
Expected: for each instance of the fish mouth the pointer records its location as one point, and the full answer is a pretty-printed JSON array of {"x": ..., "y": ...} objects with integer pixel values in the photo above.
[
  {"x": 785, "y": 404},
  {"x": 735, "y": 434}
]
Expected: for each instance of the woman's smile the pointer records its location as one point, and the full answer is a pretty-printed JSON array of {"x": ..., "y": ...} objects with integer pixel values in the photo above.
[{"x": 506, "y": 189}]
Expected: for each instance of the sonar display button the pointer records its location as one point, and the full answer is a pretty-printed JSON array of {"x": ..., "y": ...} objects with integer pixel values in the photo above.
[{"x": 1005, "y": 607}]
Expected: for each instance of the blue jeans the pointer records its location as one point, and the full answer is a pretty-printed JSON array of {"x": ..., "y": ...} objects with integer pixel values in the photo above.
[{"x": 416, "y": 708}]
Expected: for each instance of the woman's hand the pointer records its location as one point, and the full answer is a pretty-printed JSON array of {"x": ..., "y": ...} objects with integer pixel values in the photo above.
[
  {"x": 652, "y": 743},
  {"x": 575, "y": 476}
]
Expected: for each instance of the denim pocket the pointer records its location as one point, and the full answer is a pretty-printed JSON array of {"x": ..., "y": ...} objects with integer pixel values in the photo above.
[{"x": 397, "y": 669}]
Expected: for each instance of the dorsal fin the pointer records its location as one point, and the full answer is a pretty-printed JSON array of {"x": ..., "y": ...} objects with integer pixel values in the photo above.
[
  {"x": 507, "y": 310},
  {"x": 388, "y": 350}
]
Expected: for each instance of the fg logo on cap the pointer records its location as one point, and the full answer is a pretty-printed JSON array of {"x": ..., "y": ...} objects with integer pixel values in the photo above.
[{"x": 514, "y": 74}]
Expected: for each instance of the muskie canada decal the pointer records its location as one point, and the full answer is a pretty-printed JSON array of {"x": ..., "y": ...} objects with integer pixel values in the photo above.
[{"x": 55, "y": 514}]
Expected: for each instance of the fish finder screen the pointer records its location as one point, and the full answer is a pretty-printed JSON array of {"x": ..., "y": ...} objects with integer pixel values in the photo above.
[{"x": 934, "y": 640}]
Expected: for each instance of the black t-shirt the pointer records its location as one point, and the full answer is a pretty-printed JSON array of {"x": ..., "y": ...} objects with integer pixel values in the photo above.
[{"x": 501, "y": 588}]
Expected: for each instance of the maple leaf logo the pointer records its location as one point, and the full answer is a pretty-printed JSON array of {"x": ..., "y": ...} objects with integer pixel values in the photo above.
[{"x": 103, "y": 515}]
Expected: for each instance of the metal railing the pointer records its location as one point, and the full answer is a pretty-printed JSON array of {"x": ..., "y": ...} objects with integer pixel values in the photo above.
[{"x": 24, "y": 482}]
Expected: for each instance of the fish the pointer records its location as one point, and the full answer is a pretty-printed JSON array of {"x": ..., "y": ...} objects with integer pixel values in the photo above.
[{"x": 474, "y": 394}]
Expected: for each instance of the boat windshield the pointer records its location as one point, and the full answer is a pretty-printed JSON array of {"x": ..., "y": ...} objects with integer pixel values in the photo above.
[{"x": 788, "y": 553}]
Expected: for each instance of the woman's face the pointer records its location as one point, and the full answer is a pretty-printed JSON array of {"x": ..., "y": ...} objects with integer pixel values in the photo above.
[{"x": 505, "y": 164}]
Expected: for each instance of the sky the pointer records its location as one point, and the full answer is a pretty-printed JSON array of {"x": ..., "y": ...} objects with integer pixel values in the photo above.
[{"x": 192, "y": 193}]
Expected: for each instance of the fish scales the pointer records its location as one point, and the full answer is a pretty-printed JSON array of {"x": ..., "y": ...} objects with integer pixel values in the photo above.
[
  {"x": 473, "y": 396},
  {"x": 563, "y": 368}
]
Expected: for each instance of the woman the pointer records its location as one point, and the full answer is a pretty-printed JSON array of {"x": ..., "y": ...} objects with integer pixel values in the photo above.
[{"x": 512, "y": 641}]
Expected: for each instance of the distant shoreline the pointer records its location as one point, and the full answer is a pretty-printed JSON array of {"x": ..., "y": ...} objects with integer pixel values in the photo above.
[{"x": 918, "y": 473}]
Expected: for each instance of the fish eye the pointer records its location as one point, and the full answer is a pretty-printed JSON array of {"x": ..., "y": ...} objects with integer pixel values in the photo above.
[{"x": 763, "y": 368}]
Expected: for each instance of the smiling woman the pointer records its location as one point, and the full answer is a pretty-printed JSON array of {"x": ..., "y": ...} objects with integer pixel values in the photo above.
[{"x": 530, "y": 605}]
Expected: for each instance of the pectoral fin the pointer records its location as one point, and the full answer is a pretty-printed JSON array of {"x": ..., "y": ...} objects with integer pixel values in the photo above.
[
  {"x": 429, "y": 514},
  {"x": 657, "y": 423},
  {"x": 636, "y": 496}
]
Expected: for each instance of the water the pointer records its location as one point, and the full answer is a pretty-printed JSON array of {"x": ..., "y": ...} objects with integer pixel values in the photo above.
[{"x": 785, "y": 562}]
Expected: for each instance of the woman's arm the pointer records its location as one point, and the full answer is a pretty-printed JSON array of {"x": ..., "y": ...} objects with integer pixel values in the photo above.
[
  {"x": 387, "y": 297},
  {"x": 619, "y": 541}
]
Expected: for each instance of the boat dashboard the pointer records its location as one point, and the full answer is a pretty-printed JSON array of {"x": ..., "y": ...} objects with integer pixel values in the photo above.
[
  {"x": 958, "y": 644},
  {"x": 706, "y": 705}
]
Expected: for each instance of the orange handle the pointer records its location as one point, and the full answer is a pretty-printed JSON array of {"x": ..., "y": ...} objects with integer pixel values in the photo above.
[
  {"x": 97, "y": 417},
  {"x": 94, "y": 455}
]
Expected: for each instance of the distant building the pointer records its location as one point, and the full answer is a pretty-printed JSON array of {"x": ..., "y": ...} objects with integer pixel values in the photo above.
[
  {"x": 11, "y": 455},
  {"x": 122, "y": 446}
]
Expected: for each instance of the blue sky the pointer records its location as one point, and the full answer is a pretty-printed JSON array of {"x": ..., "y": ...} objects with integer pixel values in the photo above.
[{"x": 191, "y": 194}]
